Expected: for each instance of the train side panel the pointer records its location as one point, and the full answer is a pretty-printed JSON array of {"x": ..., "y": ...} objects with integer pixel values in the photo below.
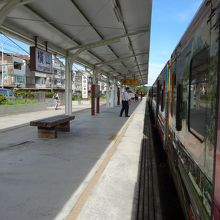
[
  {"x": 216, "y": 206},
  {"x": 188, "y": 110}
]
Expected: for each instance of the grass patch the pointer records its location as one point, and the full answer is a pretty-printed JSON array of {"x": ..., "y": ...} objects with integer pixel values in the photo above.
[
  {"x": 102, "y": 98},
  {"x": 20, "y": 102}
]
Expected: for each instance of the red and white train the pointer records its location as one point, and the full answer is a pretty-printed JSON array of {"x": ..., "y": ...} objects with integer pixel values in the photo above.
[{"x": 185, "y": 101}]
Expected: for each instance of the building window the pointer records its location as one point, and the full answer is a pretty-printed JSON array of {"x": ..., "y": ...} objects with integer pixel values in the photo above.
[
  {"x": 17, "y": 65},
  {"x": 199, "y": 103},
  {"x": 19, "y": 79}
]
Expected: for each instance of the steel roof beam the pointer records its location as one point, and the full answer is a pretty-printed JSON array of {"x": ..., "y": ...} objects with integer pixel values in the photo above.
[
  {"x": 42, "y": 46},
  {"x": 139, "y": 64},
  {"x": 119, "y": 60},
  {"x": 21, "y": 2},
  {"x": 91, "y": 24},
  {"x": 107, "y": 41},
  {"x": 95, "y": 44},
  {"x": 30, "y": 40},
  {"x": 100, "y": 35},
  {"x": 9, "y": 6},
  {"x": 139, "y": 70},
  {"x": 117, "y": 4},
  {"x": 65, "y": 34}
]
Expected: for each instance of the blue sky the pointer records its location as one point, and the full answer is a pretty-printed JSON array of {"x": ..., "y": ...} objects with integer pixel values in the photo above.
[
  {"x": 9, "y": 45},
  {"x": 170, "y": 19}
]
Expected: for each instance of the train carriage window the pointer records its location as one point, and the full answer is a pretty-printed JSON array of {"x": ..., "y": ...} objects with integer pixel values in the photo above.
[
  {"x": 162, "y": 96},
  {"x": 179, "y": 105},
  {"x": 173, "y": 93},
  {"x": 158, "y": 97},
  {"x": 198, "y": 94},
  {"x": 158, "y": 92}
]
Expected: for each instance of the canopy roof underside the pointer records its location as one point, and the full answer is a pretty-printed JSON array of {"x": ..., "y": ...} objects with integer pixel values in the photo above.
[{"x": 115, "y": 34}]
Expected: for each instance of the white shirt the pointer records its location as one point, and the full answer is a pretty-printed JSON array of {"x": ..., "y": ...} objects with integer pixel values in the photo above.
[{"x": 125, "y": 96}]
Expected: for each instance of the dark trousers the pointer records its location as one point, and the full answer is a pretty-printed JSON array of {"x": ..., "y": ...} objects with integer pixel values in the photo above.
[{"x": 125, "y": 107}]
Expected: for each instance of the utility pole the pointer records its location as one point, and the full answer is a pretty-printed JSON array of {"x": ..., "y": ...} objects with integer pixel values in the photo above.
[{"x": 2, "y": 64}]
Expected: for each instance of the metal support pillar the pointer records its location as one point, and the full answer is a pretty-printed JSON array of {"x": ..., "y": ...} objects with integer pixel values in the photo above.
[
  {"x": 107, "y": 94},
  {"x": 97, "y": 104},
  {"x": 112, "y": 96},
  {"x": 118, "y": 96},
  {"x": 68, "y": 86},
  {"x": 93, "y": 91},
  {"x": 97, "y": 92},
  {"x": 93, "y": 99},
  {"x": 68, "y": 81},
  {"x": 115, "y": 93},
  {"x": 2, "y": 83}
]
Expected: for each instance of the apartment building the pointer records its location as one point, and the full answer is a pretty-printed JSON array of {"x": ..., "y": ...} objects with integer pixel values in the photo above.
[
  {"x": 17, "y": 73},
  {"x": 13, "y": 70}
]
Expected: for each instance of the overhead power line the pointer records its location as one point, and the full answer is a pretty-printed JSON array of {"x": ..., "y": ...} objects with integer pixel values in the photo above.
[{"x": 15, "y": 43}]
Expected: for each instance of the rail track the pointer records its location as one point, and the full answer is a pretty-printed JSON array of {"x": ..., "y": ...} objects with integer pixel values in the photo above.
[
  {"x": 149, "y": 207},
  {"x": 157, "y": 199}
]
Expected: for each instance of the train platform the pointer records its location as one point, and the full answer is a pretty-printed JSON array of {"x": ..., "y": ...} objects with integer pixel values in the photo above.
[
  {"x": 11, "y": 121},
  {"x": 90, "y": 172}
]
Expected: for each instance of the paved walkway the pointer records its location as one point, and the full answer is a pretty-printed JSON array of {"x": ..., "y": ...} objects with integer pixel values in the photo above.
[
  {"x": 90, "y": 172},
  {"x": 14, "y": 121},
  {"x": 115, "y": 195}
]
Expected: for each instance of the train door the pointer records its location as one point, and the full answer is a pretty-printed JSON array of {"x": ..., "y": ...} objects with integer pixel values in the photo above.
[
  {"x": 158, "y": 101},
  {"x": 216, "y": 205},
  {"x": 167, "y": 105},
  {"x": 173, "y": 94}
]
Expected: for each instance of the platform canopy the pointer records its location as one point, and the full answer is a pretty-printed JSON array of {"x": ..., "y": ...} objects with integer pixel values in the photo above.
[{"x": 111, "y": 36}]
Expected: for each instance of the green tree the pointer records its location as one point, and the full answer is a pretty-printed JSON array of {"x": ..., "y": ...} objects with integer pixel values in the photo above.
[
  {"x": 142, "y": 89},
  {"x": 3, "y": 99}
]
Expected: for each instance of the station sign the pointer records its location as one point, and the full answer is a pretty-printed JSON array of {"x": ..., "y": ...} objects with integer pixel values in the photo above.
[
  {"x": 40, "y": 60},
  {"x": 84, "y": 87},
  {"x": 130, "y": 82}
]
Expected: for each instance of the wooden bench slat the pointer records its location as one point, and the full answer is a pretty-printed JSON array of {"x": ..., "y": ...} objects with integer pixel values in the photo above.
[
  {"x": 47, "y": 127},
  {"x": 52, "y": 121}
]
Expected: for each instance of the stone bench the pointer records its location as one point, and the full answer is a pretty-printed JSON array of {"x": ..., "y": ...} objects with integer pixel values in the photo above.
[{"x": 48, "y": 127}]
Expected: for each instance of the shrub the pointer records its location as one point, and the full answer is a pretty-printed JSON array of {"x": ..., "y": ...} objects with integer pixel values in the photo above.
[
  {"x": 24, "y": 94},
  {"x": 102, "y": 97},
  {"x": 48, "y": 95},
  {"x": 20, "y": 102},
  {"x": 3, "y": 99},
  {"x": 76, "y": 98}
]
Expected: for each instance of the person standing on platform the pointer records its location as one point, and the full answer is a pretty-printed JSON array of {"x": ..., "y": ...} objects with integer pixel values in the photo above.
[
  {"x": 125, "y": 102},
  {"x": 136, "y": 97},
  {"x": 57, "y": 100}
]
